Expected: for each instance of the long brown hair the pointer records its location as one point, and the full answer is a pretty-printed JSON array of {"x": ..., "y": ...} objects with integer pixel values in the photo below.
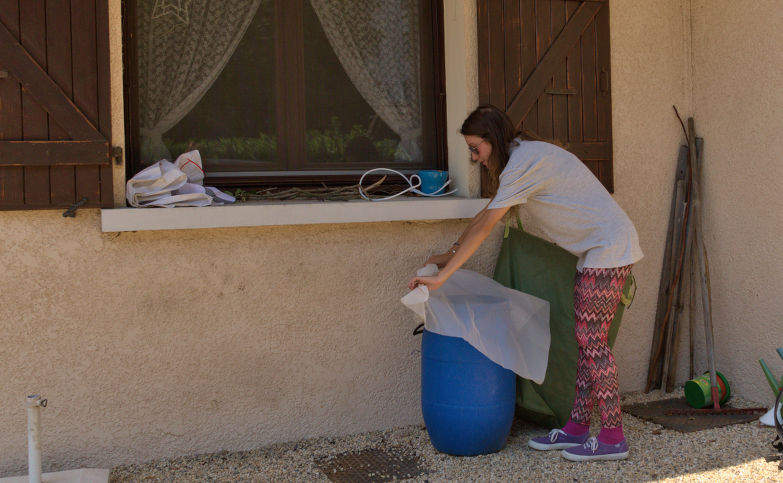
[{"x": 494, "y": 127}]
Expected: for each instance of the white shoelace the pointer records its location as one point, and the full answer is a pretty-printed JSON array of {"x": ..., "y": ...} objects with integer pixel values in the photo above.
[
  {"x": 592, "y": 444},
  {"x": 554, "y": 433}
]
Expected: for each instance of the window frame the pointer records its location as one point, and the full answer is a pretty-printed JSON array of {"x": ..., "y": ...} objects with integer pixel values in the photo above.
[{"x": 288, "y": 39}]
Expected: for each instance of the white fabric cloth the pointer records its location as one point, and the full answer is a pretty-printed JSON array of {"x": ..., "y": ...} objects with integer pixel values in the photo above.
[
  {"x": 569, "y": 204},
  {"x": 511, "y": 328},
  {"x": 166, "y": 184}
]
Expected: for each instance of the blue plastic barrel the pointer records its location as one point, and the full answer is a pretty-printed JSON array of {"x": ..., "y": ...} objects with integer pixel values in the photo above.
[{"x": 466, "y": 399}]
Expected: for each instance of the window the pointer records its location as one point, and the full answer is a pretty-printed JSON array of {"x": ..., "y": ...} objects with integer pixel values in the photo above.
[{"x": 286, "y": 91}]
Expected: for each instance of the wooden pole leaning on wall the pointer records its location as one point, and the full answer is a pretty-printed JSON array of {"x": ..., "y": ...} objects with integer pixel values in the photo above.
[
  {"x": 670, "y": 374},
  {"x": 680, "y": 256},
  {"x": 704, "y": 273},
  {"x": 668, "y": 275},
  {"x": 679, "y": 253},
  {"x": 692, "y": 312}
]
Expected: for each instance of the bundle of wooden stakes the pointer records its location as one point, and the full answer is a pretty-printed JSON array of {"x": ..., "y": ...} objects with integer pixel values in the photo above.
[{"x": 685, "y": 251}]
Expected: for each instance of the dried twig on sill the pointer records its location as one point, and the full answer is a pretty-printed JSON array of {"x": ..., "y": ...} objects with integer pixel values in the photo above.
[{"x": 323, "y": 193}]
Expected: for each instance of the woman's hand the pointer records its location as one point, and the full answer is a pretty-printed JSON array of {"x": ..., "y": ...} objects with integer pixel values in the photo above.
[
  {"x": 432, "y": 283},
  {"x": 476, "y": 233},
  {"x": 439, "y": 260}
]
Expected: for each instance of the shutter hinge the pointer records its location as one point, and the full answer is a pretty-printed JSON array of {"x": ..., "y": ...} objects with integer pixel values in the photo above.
[
  {"x": 603, "y": 81},
  {"x": 116, "y": 155}
]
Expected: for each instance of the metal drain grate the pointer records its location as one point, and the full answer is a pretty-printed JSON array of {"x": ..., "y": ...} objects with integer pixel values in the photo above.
[{"x": 370, "y": 465}]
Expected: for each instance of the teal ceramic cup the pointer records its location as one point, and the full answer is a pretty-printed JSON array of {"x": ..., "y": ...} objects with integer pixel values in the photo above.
[{"x": 432, "y": 180}]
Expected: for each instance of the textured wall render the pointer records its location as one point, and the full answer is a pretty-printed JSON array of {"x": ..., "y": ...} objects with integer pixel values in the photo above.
[
  {"x": 154, "y": 344},
  {"x": 649, "y": 75},
  {"x": 738, "y": 67}
]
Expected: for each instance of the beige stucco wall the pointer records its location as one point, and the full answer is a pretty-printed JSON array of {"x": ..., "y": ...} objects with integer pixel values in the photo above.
[
  {"x": 649, "y": 75},
  {"x": 737, "y": 71},
  {"x": 154, "y": 344}
]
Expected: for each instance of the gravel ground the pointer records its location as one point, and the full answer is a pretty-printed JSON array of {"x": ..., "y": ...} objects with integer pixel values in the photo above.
[{"x": 730, "y": 453}]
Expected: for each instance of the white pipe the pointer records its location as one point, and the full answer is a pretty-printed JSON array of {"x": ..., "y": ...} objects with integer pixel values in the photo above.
[{"x": 34, "y": 405}]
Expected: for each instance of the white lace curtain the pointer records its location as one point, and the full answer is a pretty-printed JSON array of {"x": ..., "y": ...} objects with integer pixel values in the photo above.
[
  {"x": 183, "y": 46},
  {"x": 377, "y": 42}
]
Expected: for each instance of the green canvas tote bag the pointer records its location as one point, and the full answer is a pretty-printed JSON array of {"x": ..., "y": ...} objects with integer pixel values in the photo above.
[{"x": 538, "y": 267}]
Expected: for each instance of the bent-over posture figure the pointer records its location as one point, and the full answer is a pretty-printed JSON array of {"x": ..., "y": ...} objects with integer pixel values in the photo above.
[{"x": 575, "y": 211}]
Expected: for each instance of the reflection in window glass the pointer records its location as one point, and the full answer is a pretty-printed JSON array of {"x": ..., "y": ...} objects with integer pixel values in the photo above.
[
  {"x": 208, "y": 80},
  {"x": 362, "y": 81}
]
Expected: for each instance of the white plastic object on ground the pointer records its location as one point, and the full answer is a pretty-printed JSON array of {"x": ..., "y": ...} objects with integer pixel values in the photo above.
[
  {"x": 413, "y": 184},
  {"x": 768, "y": 419}
]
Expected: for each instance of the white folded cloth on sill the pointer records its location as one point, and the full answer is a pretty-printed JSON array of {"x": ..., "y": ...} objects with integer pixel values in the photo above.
[{"x": 166, "y": 184}]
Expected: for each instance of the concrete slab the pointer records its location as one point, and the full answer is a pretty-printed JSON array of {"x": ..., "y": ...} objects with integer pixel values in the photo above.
[{"x": 83, "y": 475}]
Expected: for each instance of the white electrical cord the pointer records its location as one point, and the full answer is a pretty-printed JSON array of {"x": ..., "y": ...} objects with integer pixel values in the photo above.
[{"x": 413, "y": 184}]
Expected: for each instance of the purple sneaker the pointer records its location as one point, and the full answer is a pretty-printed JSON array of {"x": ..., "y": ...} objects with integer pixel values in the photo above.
[
  {"x": 557, "y": 439},
  {"x": 596, "y": 450}
]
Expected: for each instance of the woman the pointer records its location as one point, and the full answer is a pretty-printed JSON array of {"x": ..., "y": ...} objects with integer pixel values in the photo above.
[{"x": 575, "y": 211}]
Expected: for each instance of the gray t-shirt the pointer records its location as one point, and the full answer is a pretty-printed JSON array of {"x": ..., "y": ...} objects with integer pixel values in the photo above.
[{"x": 569, "y": 204}]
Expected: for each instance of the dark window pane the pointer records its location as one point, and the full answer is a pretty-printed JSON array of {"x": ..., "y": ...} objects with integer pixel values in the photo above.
[
  {"x": 363, "y": 83},
  {"x": 201, "y": 87}
]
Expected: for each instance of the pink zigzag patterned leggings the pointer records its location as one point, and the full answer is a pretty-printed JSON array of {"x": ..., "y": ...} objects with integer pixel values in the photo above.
[{"x": 597, "y": 292}]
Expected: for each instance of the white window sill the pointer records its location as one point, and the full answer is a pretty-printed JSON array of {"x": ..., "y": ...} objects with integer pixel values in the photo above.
[{"x": 265, "y": 213}]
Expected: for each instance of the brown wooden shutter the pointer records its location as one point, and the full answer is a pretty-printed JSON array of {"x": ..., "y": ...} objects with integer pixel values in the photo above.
[
  {"x": 55, "y": 119},
  {"x": 546, "y": 63}
]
